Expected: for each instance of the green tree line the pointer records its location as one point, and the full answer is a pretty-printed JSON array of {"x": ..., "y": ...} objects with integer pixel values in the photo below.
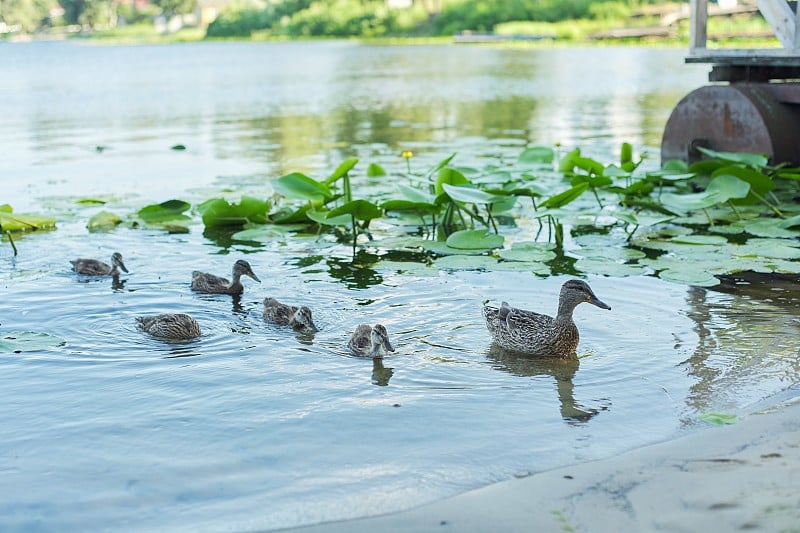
[
  {"x": 28, "y": 16},
  {"x": 316, "y": 18}
]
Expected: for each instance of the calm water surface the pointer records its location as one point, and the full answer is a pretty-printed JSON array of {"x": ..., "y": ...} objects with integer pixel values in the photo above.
[{"x": 253, "y": 427}]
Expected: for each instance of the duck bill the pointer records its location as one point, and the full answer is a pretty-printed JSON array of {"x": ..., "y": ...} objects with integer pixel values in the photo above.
[
  {"x": 312, "y": 328},
  {"x": 254, "y": 276},
  {"x": 600, "y": 304},
  {"x": 123, "y": 267},
  {"x": 387, "y": 345}
]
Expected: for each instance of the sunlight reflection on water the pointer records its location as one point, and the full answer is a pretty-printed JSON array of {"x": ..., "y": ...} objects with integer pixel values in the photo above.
[{"x": 253, "y": 426}]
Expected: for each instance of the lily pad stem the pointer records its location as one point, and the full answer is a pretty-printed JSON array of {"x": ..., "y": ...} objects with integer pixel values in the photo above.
[{"x": 762, "y": 199}]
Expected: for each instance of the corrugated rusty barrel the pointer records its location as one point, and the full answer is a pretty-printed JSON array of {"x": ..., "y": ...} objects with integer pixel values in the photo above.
[{"x": 759, "y": 118}]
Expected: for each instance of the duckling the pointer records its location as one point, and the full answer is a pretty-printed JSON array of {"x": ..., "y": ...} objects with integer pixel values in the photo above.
[
  {"x": 368, "y": 341},
  {"x": 288, "y": 315},
  {"x": 209, "y": 283},
  {"x": 93, "y": 267},
  {"x": 170, "y": 326},
  {"x": 530, "y": 333}
]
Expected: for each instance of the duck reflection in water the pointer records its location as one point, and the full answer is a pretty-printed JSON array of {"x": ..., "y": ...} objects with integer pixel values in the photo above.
[
  {"x": 562, "y": 369},
  {"x": 380, "y": 374}
]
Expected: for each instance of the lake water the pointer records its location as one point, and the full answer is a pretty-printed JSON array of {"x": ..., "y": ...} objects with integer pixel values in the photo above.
[{"x": 253, "y": 427}]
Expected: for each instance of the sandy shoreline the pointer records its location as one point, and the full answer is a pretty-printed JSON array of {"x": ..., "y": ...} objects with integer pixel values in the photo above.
[{"x": 743, "y": 476}]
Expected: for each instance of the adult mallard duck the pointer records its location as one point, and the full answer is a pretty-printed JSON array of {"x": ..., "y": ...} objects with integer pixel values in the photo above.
[
  {"x": 170, "y": 326},
  {"x": 288, "y": 315},
  {"x": 203, "y": 282},
  {"x": 93, "y": 267},
  {"x": 368, "y": 341},
  {"x": 530, "y": 333}
]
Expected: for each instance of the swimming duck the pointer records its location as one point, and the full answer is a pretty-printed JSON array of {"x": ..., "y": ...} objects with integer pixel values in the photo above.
[
  {"x": 288, "y": 315},
  {"x": 368, "y": 341},
  {"x": 93, "y": 267},
  {"x": 202, "y": 282},
  {"x": 541, "y": 335},
  {"x": 170, "y": 326}
]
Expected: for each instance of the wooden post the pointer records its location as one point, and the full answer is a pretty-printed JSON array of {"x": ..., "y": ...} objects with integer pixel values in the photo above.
[
  {"x": 797, "y": 27},
  {"x": 697, "y": 31},
  {"x": 783, "y": 21}
]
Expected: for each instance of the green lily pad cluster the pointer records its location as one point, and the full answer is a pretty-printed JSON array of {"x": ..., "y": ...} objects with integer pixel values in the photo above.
[{"x": 547, "y": 211}]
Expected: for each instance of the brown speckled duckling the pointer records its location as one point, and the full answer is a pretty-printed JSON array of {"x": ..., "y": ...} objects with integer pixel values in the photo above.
[
  {"x": 170, "y": 326},
  {"x": 368, "y": 341},
  {"x": 530, "y": 333},
  {"x": 209, "y": 283},
  {"x": 93, "y": 267},
  {"x": 288, "y": 315}
]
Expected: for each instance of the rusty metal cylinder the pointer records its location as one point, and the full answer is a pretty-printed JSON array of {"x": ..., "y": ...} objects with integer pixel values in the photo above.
[{"x": 761, "y": 118}]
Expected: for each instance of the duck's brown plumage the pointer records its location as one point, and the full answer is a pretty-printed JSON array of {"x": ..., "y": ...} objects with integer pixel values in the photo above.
[
  {"x": 93, "y": 267},
  {"x": 209, "y": 283},
  {"x": 535, "y": 334},
  {"x": 170, "y": 326},
  {"x": 368, "y": 341},
  {"x": 299, "y": 318}
]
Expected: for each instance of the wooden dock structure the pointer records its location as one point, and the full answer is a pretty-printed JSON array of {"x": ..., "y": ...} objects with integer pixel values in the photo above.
[{"x": 753, "y": 103}]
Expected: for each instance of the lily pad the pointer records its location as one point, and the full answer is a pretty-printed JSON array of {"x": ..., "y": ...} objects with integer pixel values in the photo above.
[
  {"x": 13, "y": 222},
  {"x": 104, "y": 220},
  {"x": 690, "y": 276},
  {"x": 218, "y": 212},
  {"x": 537, "y": 154},
  {"x": 374, "y": 170},
  {"x": 469, "y": 194},
  {"x": 301, "y": 187},
  {"x": 165, "y": 211},
  {"x": 608, "y": 268},
  {"x": 474, "y": 240},
  {"x": 342, "y": 170},
  {"x": 700, "y": 239},
  {"x": 322, "y": 217},
  {"x": 360, "y": 209},
  {"x": 28, "y": 341},
  {"x": 532, "y": 252},
  {"x": 718, "y": 419},
  {"x": 465, "y": 262}
]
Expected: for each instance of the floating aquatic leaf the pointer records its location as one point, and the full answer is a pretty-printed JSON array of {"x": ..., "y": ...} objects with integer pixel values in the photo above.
[
  {"x": 609, "y": 253},
  {"x": 766, "y": 227},
  {"x": 90, "y": 201},
  {"x": 700, "y": 239},
  {"x": 604, "y": 267},
  {"x": 772, "y": 248},
  {"x": 529, "y": 252},
  {"x": 407, "y": 205},
  {"x": 540, "y": 269},
  {"x": 28, "y": 341},
  {"x": 301, "y": 187},
  {"x": 178, "y": 147},
  {"x": 360, "y": 209},
  {"x": 449, "y": 176},
  {"x": 563, "y": 198},
  {"x": 374, "y": 170},
  {"x": 567, "y": 163},
  {"x": 691, "y": 276},
  {"x": 474, "y": 240},
  {"x": 261, "y": 233},
  {"x": 718, "y": 419},
  {"x": 218, "y": 212},
  {"x": 465, "y": 262},
  {"x": 10, "y": 221},
  {"x": 757, "y": 161},
  {"x": 469, "y": 194},
  {"x": 675, "y": 165},
  {"x": 169, "y": 210},
  {"x": 537, "y": 154},
  {"x": 343, "y": 168},
  {"x": 104, "y": 220},
  {"x": 642, "y": 219}
]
